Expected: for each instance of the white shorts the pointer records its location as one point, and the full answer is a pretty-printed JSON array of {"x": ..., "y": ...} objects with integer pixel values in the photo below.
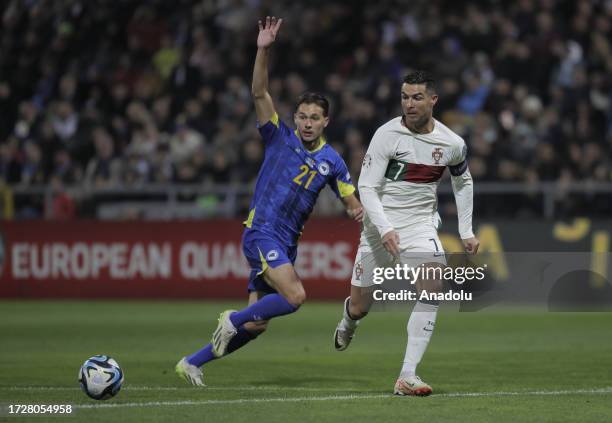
[{"x": 416, "y": 247}]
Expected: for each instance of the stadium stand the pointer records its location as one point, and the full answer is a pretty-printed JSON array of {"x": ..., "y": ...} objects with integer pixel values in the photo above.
[{"x": 119, "y": 103}]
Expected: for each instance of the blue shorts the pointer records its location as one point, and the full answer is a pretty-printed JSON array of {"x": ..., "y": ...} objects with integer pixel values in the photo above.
[{"x": 262, "y": 251}]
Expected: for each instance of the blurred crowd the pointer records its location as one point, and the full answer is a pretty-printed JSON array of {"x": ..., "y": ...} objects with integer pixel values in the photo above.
[{"x": 124, "y": 93}]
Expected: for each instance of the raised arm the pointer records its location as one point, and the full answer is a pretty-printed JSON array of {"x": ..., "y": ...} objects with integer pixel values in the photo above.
[{"x": 264, "y": 107}]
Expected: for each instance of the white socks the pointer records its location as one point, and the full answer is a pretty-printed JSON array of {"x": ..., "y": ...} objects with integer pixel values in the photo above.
[
  {"x": 420, "y": 327},
  {"x": 347, "y": 322}
]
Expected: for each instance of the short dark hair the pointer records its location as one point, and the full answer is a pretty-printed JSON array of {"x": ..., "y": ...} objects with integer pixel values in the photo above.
[
  {"x": 421, "y": 77},
  {"x": 314, "y": 98}
]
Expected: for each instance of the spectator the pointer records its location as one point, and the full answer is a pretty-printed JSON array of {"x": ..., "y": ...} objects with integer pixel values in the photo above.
[
  {"x": 64, "y": 170},
  {"x": 32, "y": 170},
  {"x": 63, "y": 206},
  {"x": 251, "y": 158},
  {"x": 526, "y": 83},
  {"x": 10, "y": 163},
  {"x": 104, "y": 169},
  {"x": 65, "y": 120},
  {"x": 185, "y": 143}
]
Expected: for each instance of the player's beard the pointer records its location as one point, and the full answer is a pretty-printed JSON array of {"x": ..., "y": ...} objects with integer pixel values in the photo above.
[{"x": 419, "y": 125}]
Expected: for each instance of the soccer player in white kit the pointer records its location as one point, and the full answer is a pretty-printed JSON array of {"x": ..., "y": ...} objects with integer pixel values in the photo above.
[{"x": 398, "y": 183}]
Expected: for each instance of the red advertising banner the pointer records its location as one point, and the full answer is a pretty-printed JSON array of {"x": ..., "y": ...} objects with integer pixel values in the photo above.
[
  {"x": 91, "y": 259},
  {"x": 204, "y": 260}
]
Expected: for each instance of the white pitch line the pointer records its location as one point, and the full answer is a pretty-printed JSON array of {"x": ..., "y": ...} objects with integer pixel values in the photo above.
[
  {"x": 236, "y": 401},
  {"x": 598, "y": 391},
  {"x": 187, "y": 388},
  {"x": 604, "y": 391}
]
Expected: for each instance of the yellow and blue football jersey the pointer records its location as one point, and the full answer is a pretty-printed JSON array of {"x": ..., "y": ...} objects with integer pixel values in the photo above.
[{"x": 290, "y": 180}]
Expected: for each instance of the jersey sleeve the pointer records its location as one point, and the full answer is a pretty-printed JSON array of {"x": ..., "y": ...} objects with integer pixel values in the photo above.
[
  {"x": 273, "y": 130},
  {"x": 372, "y": 177},
  {"x": 375, "y": 162},
  {"x": 463, "y": 188},
  {"x": 457, "y": 165},
  {"x": 340, "y": 181}
]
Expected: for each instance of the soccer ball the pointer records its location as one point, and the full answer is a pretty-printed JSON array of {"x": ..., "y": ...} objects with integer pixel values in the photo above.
[{"x": 100, "y": 377}]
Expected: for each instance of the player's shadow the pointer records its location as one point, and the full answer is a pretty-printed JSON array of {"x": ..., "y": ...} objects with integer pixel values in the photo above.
[
  {"x": 350, "y": 383},
  {"x": 303, "y": 381},
  {"x": 581, "y": 290}
]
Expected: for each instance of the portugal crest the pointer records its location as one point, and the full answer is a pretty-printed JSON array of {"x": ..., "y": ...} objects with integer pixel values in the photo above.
[
  {"x": 437, "y": 154},
  {"x": 358, "y": 271},
  {"x": 367, "y": 161}
]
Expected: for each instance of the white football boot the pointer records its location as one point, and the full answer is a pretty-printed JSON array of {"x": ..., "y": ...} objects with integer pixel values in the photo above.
[
  {"x": 411, "y": 385},
  {"x": 223, "y": 334},
  {"x": 344, "y": 333},
  {"x": 190, "y": 373}
]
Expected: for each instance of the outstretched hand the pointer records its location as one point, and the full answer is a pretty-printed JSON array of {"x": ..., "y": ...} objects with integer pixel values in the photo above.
[
  {"x": 268, "y": 31},
  {"x": 356, "y": 214}
]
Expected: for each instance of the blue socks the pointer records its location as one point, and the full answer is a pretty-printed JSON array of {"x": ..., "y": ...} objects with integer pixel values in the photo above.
[
  {"x": 271, "y": 305},
  {"x": 205, "y": 355}
]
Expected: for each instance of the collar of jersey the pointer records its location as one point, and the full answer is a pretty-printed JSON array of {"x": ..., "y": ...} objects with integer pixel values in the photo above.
[
  {"x": 322, "y": 142},
  {"x": 405, "y": 129}
]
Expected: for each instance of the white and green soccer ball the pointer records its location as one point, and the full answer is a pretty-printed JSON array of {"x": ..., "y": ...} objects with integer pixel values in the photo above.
[{"x": 100, "y": 377}]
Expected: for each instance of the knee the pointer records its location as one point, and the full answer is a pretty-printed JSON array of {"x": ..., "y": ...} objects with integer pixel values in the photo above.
[
  {"x": 297, "y": 297},
  {"x": 436, "y": 286},
  {"x": 256, "y": 328},
  {"x": 429, "y": 286}
]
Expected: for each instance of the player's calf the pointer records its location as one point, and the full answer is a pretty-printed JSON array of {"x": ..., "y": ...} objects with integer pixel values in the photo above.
[
  {"x": 359, "y": 304},
  {"x": 256, "y": 328},
  {"x": 354, "y": 310},
  {"x": 420, "y": 328}
]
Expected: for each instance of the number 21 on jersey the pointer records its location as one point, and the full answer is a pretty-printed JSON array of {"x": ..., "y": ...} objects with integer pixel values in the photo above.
[{"x": 305, "y": 170}]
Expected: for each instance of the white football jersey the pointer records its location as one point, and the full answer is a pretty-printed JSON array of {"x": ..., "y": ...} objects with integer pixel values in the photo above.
[{"x": 404, "y": 169}]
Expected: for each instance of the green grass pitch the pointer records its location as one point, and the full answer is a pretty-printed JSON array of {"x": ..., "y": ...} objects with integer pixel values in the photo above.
[{"x": 501, "y": 366}]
